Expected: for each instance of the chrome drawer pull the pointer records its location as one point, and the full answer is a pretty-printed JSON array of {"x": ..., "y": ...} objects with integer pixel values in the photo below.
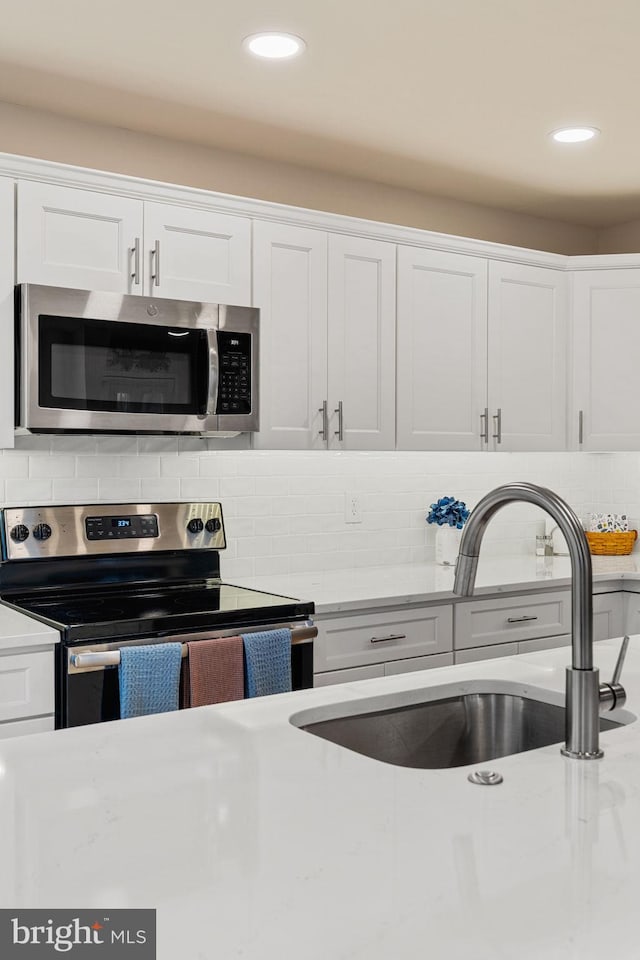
[
  {"x": 519, "y": 619},
  {"x": 392, "y": 636}
]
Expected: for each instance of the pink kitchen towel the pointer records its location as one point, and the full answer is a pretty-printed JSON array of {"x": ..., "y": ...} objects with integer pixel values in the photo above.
[{"x": 214, "y": 671}]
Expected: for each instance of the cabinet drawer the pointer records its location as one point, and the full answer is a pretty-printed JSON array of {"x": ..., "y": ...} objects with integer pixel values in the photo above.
[
  {"x": 26, "y": 685},
  {"x": 396, "y": 635},
  {"x": 346, "y": 676},
  {"x": 544, "y": 643},
  {"x": 20, "y": 728},
  {"x": 486, "y": 653},
  {"x": 505, "y": 620},
  {"x": 394, "y": 667}
]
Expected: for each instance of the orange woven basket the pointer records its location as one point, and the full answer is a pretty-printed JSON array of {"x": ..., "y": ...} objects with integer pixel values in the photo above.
[{"x": 611, "y": 544}]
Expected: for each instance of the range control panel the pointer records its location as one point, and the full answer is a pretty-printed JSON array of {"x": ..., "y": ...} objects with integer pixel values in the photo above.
[
  {"x": 135, "y": 526},
  {"x": 31, "y": 533}
]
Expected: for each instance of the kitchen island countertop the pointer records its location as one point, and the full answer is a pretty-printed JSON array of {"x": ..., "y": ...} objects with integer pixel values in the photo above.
[{"x": 256, "y": 840}]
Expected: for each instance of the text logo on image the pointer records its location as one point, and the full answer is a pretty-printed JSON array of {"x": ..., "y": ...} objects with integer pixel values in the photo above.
[{"x": 79, "y": 934}]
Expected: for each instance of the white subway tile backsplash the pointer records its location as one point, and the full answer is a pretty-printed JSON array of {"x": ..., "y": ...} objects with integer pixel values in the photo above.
[
  {"x": 97, "y": 466},
  {"x": 284, "y": 510},
  {"x": 199, "y": 489},
  {"x": 119, "y": 491},
  {"x": 76, "y": 491},
  {"x": 13, "y": 465},
  {"x": 26, "y": 492},
  {"x": 52, "y": 467},
  {"x": 180, "y": 466},
  {"x": 159, "y": 489},
  {"x": 146, "y": 466}
]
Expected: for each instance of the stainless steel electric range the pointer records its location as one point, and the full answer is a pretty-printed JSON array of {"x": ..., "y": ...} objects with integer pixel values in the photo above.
[{"x": 107, "y": 575}]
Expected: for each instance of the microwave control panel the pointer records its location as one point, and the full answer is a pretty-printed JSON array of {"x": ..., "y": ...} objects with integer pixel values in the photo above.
[{"x": 234, "y": 384}]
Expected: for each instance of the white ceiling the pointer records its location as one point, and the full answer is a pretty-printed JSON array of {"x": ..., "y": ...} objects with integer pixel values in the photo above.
[{"x": 449, "y": 97}]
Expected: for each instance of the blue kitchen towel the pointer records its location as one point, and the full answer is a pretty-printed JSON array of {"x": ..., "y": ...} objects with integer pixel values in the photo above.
[
  {"x": 149, "y": 679},
  {"x": 267, "y": 662}
]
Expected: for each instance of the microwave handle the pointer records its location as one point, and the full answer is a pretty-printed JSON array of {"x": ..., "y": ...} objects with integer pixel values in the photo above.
[{"x": 212, "y": 389}]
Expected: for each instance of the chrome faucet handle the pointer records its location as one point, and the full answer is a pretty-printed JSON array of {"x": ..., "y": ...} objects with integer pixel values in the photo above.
[{"x": 613, "y": 695}]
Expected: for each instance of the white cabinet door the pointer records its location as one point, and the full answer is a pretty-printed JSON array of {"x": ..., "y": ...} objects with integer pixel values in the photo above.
[
  {"x": 7, "y": 280},
  {"x": 608, "y": 615},
  {"x": 442, "y": 350},
  {"x": 361, "y": 343},
  {"x": 606, "y": 347},
  {"x": 76, "y": 238},
  {"x": 290, "y": 289},
  {"x": 26, "y": 685},
  {"x": 527, "y": 357},
  {"x": 197, "y": 254}
]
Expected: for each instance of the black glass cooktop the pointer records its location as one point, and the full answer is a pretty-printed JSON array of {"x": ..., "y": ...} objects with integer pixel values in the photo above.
[{"x": 116, "y": 612}]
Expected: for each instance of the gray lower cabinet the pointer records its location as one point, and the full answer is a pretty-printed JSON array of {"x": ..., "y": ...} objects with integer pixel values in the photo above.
[
  {"x": 400, "y": 640},
  {"x": 609, "y": 616},
  {"x": 400, "y": 636}
]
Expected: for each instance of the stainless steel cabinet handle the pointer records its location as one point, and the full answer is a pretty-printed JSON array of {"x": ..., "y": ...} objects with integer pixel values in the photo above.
[
  {"x": 497, "y": 436},
  {"x": 484, "y": 425},
  {"x": 155, "y": 264},
  {"x": 339, "y": 433},
  {"x": 324, "y": 433},
  {"x": 392, "y": 636},
  {"x": 580, "y": 426},
  {"x": 520, "y": 619},
  {"x": 135, "y": 252}
]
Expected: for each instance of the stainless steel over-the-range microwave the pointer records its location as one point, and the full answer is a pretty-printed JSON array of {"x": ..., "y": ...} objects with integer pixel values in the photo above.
[{"x": 91, "y": 362}]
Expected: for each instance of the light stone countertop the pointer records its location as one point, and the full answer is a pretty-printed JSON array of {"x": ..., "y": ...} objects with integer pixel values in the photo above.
[
  {"x": 18, "y": 631},
  {"x": 256, "y": 840},
  {"x": 364, "y": 588}
]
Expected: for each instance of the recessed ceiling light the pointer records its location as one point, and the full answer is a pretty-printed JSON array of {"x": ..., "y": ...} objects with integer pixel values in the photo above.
[
  {"x": 274, "y": 46},
  {"x": 574, "y": 134}
]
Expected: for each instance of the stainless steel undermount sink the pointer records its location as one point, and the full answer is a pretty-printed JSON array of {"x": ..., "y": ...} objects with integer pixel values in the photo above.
[{"x": 464, "y": 727}]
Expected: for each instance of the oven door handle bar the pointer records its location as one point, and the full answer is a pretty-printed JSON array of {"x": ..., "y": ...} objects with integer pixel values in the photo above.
[{"x": 111, "y": 658}]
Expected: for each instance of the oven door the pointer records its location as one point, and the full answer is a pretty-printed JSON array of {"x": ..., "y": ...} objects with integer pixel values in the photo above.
[
  {"x": 101, "y": 362},
  {"x": 87, "y": 681}
]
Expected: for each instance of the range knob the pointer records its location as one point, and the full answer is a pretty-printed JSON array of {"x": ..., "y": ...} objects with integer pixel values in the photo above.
[
  {"x": 19, "y": 533},
  {"x": 213, "y": 525},
  {"x": 195, "y": 526},
  {"x": 42, "y": 531}
]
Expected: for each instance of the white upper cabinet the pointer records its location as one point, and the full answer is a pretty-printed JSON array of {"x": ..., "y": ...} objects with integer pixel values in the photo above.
[
  {"x": 362, "y": 346},
  {"x": 606, "y": 348},
  {"x": 442, "y": 350},
  {"x": 482, "y": 354},
  {"x": 194, "y": 254},
  {"x": 527, "y": 355},
  {"x": 327, "y": 339},
  {"x": 97, "y": 241},
  {"x": 76, "y": 238},
  {"x": 7, "y": 278},
  {"x": 290, "y": 289}
]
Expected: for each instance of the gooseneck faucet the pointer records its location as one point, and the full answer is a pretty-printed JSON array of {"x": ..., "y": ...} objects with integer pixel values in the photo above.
[{"x": 584, "y": 692}]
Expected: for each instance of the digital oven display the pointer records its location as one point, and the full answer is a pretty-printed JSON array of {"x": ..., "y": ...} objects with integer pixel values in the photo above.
[{"x": 135, "y": 527}]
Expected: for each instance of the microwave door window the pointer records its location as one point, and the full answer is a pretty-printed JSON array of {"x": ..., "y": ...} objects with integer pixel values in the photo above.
[{"x": 119, "y": 367}]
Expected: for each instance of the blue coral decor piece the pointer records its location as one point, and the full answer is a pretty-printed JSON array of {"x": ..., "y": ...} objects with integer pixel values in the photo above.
[{"x": 448, "y": 511}]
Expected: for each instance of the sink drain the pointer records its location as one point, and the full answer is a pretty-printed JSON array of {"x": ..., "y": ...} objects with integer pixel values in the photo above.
[{"x": 486, "y": 778}]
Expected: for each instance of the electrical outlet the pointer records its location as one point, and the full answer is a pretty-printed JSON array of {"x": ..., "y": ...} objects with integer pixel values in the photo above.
[{"x": 352, "y": 508}]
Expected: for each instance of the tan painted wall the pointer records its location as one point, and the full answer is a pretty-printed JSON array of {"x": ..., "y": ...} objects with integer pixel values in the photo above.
[
  {"x": 621, "y": 238},
  {"x": 29, "y": 132}
]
